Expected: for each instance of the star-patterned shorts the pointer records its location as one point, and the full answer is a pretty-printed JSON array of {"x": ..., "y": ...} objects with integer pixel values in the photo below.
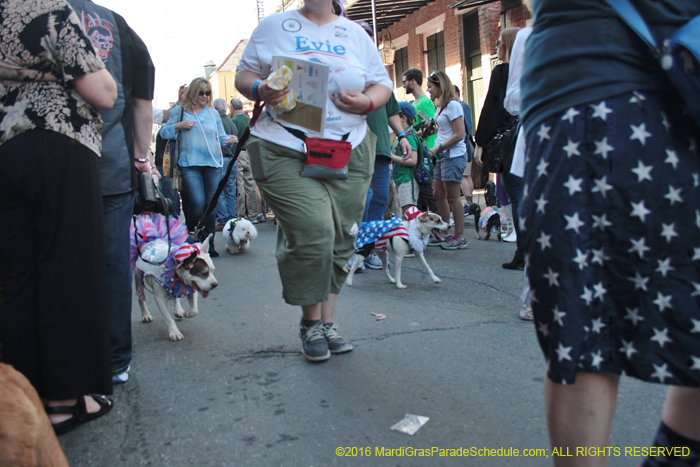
[{"x": 610, "y": 223}]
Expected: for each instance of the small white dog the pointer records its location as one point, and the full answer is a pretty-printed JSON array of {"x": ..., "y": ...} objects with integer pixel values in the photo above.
[
  {"x": 238, "y": 234},
  {"x": 398, "y": 236}
]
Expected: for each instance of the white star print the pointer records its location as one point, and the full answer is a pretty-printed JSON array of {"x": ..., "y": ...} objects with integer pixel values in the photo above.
[
  {"x": 603, "y": 148},
  {"x": 673, "y": 195},
  {"x": 639, "y": 210},
  {"x": 581, "y": 259},
  {"x": 573, "y": 222},
  {"x": 633, "y": 315},
  {"x": 571, "y": 149},
  {"x": 563, "y": 352},
  {"x": 543, "y": 329},
  {"x": 587, "y": 295},
  {"x": 661, "y": 336},
  {"x": 639, "y": 247},
  {"x": 696, "y": 180},
  {"x": 696, "y": 326},
  {"x": 544, "y": 241},
  {"x": 558, "y": 316},
  {"x": 696, "y": 254},
  {"x": 601, "y": 186},
  {"x": 697, "y": 219},
  {"x": 662, "y": 301},
  {"x": 637, "y": 98},
  {"x": 542, "y": 168},
  {"x": 640, "y": 282},
  {"x": 521, "y": 224},
  {"x": 628, "y": 348},
  {"x": 573, "y": 184},
  {"x": 598, "y": 325},
  {"x": 643, "y": 171},
  {"x": 541, "y": 203},
  {"x": 601, "y": 222},
  {"x": 664, "y": 266},
  {"x": 672, "y": 158},
  {"x": 696, "y": 294},
  {"x": 599, "y": 256},
  {"x": 600, "y": 290},
  {"x": 570, "y": 114},
  {"x": 640, "y": 133},
  {"x": 601, "y": 110},
  {"x": 661, "y": 372},
  {"x": 692, "y": 145},
  {"x": 543, "y": 133},
  {"x": 597, "y": 360},
  {"x": 552, "y": 277},
  {"x": 668, "y": 231},
  {"x": 696, "y": 363},
  {"x": 665, "y": 122}
]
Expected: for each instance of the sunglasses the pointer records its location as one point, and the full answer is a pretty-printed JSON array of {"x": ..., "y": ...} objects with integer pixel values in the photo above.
[
  {"x": 434, "y": 77},
  {"x": 205, "y": 93}
]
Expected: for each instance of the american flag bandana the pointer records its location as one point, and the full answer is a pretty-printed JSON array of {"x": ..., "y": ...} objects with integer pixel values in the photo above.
[{"x": 378, "y": 232}]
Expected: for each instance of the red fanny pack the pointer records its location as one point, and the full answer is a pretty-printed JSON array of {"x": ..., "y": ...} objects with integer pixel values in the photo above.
[{"x": 326, "y": 159}]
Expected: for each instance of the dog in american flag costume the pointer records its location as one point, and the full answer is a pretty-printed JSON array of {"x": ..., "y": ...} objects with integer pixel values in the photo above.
[
  {"x": 166, "y": 266},
  {"x": 398, "y": 236}
]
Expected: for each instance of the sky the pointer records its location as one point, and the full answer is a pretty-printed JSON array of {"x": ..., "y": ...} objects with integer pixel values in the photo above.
[{"x": 183, "y": 35}]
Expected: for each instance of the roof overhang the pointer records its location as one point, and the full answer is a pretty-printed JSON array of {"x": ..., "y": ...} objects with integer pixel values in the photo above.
[
  {"x": 464, "y": 4},
  {"x": 388, "y": 11}
]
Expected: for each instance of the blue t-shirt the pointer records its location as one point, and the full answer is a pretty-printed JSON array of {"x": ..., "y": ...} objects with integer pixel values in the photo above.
[{"x": 580, "y": 51}]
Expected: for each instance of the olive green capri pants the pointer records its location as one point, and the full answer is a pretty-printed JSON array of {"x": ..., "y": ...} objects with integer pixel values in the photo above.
[{"x": 314, "y": 217}]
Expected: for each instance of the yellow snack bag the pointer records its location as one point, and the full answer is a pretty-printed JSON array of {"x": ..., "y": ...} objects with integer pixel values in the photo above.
[{"x": 280, "y": 78}]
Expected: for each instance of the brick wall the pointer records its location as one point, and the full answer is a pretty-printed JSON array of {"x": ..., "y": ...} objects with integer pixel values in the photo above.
[{"x": 517, "y": 16}]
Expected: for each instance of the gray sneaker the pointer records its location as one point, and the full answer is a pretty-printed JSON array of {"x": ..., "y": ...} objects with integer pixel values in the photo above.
[
  {"x": 373, "y": 261},
  {"x": 336, "y": 344},
  {"x": 313, "y": 342}
]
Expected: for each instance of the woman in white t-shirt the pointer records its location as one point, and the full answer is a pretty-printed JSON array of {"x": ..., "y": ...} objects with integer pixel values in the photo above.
[
  {"x": 451, "y": 153},
  {"x": 314, "y": 216}
]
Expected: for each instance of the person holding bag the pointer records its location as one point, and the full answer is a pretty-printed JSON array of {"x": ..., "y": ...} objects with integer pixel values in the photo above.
[
  {"x": 201, "y": 135},
  {"x": 495, "y": 122},
  {"x": 314, "y": 216},
  {"x": 451, "y": 152}
]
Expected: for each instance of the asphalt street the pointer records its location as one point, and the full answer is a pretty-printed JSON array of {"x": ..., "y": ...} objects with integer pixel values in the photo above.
[{"x": 237, "y": 391}]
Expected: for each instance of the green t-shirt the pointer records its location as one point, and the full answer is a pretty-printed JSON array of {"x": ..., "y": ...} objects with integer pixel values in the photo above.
[
  {"x": 240, "y": 121},
  {"x": 404, "y": 173},
  {"x": 378, "y": 122},
  {"x": 425, "y": 105}
]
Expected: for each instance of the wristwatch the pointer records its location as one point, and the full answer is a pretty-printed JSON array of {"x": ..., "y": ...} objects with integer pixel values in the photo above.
[{"x": 140, "y": 160}]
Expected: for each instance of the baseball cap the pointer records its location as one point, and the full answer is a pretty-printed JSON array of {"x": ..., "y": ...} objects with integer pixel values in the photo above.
[{"x": 407, "y": 109}]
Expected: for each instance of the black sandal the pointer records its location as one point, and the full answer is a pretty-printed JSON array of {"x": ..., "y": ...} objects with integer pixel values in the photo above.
[{"x": 79, "y": 413}]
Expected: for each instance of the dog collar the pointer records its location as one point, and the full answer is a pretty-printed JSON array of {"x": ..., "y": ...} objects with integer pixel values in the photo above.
[{"x": 233, "y": 226}]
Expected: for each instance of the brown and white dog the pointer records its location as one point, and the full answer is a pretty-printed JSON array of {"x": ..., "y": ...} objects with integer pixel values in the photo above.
[
  {"x": 188, "y": 271},
  {"x": 398, "y": 236},
  {"x": 27, "y": 438},
  {"x": 238, "y": 234}
]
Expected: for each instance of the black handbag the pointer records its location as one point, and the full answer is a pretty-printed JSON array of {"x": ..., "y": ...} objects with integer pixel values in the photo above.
[{"x": 498, "y": 153}]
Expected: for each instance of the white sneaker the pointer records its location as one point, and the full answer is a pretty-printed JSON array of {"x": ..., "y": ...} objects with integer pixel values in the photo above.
[
  {"x": 373, "y": 261},
  {"x": 351, "y": 261},
  {"x": 512, "y": 237}
]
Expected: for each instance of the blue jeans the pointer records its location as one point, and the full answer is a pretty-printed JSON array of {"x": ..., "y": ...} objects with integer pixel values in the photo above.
[
  {"x": 514, "y": 188},
  {"x": 375, "y": 205},
  {"x": 166, "y": 187},
  {"x": 199, "y": 184},
  {"x": 117, "y": 212},
  {"x": 226, "y": 207}
]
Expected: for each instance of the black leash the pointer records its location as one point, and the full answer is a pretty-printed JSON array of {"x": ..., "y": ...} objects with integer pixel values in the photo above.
[{"x": 193, "y": 237}]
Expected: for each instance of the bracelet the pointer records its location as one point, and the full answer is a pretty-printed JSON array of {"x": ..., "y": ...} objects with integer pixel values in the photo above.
[
  {"x": 441, "y": 148},
  {"x": 370, "y": 108},
  {"x": 400, "y": 137},
  {"x": 140, "y": 160},
  {"x": 255, "y": 89},
  {"x": 400, "y": 134}
]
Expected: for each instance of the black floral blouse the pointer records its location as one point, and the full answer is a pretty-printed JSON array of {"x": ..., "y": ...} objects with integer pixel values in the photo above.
[{"x": 42, "y": 49}]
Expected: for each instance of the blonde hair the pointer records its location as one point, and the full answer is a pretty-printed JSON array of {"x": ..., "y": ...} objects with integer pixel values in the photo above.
[
  {"x": 507, "y": 39},
  {"x": 196, "y": 86},
  {"x": 447, "y": 90}
]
